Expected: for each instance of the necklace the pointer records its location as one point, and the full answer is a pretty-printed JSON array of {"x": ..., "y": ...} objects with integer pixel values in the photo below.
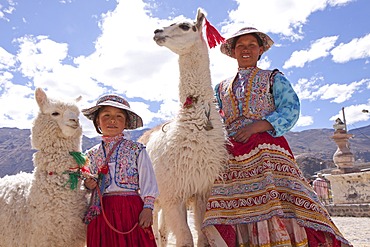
[{"x": 242, "y": 91}]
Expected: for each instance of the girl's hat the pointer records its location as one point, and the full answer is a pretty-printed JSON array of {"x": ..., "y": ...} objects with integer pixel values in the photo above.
[
  {"x": 226, "y": 47},
  {"x": 135, "y": 121}
]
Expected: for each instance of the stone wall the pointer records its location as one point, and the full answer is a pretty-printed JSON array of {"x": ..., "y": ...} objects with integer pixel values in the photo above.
[
  {"x": 349, "y": 210},
  {"x": 350, "y": 188},
  {"x": 351, "y": 194}
]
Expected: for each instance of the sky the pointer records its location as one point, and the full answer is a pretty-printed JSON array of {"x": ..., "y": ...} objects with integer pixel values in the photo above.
[{"x": 88, "y": 48}]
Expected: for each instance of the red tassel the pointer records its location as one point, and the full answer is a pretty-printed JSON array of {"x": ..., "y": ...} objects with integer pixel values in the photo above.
[{"x": 213, "y": 36}]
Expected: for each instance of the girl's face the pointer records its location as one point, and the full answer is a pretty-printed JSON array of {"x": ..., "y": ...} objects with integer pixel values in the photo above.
[
  {"x": 247, "y": 51},
  {"x": 111, "y": 120}
]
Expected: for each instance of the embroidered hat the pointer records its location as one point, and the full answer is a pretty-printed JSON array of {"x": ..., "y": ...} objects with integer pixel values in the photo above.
[
  {"x": 135, "y": 121},
  {"x": 226, "y": 47}
]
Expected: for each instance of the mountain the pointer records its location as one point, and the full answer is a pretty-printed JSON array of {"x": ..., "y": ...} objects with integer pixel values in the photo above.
[
  {"x": 313, "y": 149},
  {"x": 318, "y": 142},
  {"x": 16, "y": 151}
]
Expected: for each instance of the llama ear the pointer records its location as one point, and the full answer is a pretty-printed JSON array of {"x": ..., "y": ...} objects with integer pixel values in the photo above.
[
  {"x": 40, "y": 96},
  {"x": 200, "y": 18},
  {"x": 78, "y": 98}
]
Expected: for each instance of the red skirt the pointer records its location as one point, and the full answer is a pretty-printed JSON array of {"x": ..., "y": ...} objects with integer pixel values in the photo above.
[
  {"x": 122, "y": 212},
  {"x": 263, "y": 199}
]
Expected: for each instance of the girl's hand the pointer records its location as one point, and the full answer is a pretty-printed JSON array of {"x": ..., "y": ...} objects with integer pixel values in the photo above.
[
  {"x": 90, "y": 183},
  {"x": 146, "y": 218}
]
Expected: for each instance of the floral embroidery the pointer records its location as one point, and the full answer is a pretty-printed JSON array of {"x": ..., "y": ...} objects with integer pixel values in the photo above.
[
  {"x": 126, "y": 175},
  {"x": 255, "y": 103}
]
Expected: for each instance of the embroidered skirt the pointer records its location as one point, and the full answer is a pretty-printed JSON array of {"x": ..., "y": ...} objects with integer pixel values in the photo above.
[
  {"x": 123, "y": 212},
  {"x": 262, "y": 199}
]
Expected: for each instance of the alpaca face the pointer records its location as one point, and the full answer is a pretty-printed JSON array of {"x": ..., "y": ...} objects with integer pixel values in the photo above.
[
  {"x": 68, "y": 122},
  {"x": 180, "y": 37},
  {"x": 59, "y": 115}
]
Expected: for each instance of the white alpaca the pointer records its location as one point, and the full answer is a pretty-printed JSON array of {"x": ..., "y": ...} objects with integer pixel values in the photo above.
[
  {"x": 41, "y": 209},
  {"x": 189, "y": 152}
]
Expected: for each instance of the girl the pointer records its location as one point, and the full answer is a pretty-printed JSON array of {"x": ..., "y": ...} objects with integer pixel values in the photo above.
[{"x": 126, "y": 182}]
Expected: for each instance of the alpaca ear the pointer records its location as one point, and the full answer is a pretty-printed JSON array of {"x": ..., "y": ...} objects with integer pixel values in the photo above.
[
  {"x": 200, "y": 18},
  {"x": 78, "y": 99},
  {"x": 40, "y": 96}
]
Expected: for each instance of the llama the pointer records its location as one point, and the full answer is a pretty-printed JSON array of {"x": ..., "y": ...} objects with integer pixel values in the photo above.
[
  {"x": 46, "y": 208},
  {"x": 189, "y": 152}
]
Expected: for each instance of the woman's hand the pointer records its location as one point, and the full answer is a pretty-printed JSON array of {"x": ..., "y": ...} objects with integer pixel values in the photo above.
[
  {"x": 243, "y": 134},
  {"x": 257, "y": 127},
  {"x": 90, "y": 183},
  {"x": 146, "y": 218}
]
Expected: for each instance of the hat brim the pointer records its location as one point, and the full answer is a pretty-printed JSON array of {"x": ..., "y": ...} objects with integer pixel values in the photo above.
[
  {"x": 135, "y": 120},
  {"x": 226, "y": 47}
]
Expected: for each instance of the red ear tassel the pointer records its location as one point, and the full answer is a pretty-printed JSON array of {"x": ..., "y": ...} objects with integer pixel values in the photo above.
[{"x": 213, "y": 36}]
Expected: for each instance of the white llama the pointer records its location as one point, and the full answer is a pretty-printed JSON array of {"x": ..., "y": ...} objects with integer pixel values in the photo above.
[
  {"x": 189, "y": 152},
  {"x": 45, "y": 208}
]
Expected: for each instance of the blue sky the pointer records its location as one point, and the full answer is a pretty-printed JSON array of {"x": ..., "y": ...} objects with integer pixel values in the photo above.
[{"x": 92, "y": 47}]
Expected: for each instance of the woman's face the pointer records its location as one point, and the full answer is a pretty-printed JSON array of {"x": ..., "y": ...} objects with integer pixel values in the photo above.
[
  {"x": 111, "y": 120},
  {"x": 247, "y": 51}
]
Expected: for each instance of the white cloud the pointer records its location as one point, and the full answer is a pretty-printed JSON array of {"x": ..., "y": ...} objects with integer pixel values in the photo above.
[
  {"x": 7, "y": 9},
  {"x": 284, "y": 17},
  {"x": 39, "y": 54},
  {"x": 306, "y": 88},
  {"x": 304, "y": 121},
  {"x": 353, "y": 114},
  {"x": 319, "y": 48},
  {"x": 311, "y": 89},
  {"x": 7, "y": 60},
  {"x": 12, "y": 97},
  {"x": 339, "y": 2},
  {"x": 356, "y": 49},
  {"x": 131, "y": 62},
  {"x": 126, "y": 61},
  {"x": 339, "y": 93}
]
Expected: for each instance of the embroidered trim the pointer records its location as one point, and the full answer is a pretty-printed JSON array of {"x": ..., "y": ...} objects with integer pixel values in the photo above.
[{"x": 234, "y": 99}]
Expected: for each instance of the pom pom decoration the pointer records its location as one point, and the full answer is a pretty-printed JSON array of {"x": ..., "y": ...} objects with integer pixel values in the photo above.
[{"x": 213, "y": 36}]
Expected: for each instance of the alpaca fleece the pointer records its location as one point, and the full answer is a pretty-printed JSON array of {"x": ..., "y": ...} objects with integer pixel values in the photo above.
[
  {"x": 40, "y": 209},
  {"x": 187, "y": 153}
]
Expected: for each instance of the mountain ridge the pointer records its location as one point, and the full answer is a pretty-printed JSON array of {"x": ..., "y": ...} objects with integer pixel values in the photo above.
[{"x": 313, "y": 149}]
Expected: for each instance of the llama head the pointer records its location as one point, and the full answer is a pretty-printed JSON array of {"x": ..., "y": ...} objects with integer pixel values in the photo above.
[
  {"x": 55, "y": 121},
  {"x": 181, "y": 37}
]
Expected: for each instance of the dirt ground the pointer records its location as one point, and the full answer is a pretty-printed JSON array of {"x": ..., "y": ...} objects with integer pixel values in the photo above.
[{"x": 356, "y": 230}]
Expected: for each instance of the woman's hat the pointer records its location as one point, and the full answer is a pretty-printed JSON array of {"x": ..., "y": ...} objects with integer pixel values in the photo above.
[
  {"x": 135, "y": 121},
  {"x": 226, "y": 47}
]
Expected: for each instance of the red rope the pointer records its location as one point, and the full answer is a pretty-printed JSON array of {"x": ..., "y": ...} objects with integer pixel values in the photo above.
[
  {"x": 107, "y": 221},
  {"x": 101, "y": 197},
  {"x": 101, "y": 201}
]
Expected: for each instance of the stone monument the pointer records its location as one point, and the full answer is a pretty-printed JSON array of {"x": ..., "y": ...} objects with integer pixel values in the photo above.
[
  {"x": 343, "y": 157},
  {"x": 350, "y": 187}
]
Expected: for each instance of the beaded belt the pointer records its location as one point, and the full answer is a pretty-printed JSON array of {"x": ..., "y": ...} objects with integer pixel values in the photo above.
[{"x": 121, "y": 193}]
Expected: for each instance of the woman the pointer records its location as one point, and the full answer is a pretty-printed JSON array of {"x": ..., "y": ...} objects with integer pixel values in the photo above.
[{"x": 262, "y": 198}]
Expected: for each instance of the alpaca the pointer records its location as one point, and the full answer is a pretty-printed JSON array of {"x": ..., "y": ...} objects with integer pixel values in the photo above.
[
  {"x": 189, "y": 152},
  {"x": 45, "y": 208}
]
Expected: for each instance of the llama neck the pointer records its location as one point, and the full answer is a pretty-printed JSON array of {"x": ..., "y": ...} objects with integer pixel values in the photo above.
[{"x": 195, "y": 75}]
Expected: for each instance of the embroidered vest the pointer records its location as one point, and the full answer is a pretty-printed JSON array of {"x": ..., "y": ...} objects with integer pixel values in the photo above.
[
  {"x": 245, "y": 98},
  {"x": 125, "y": 159}
]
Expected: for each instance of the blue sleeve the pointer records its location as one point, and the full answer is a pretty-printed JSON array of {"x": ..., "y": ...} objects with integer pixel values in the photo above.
[{"x": 287, "y": 106}]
